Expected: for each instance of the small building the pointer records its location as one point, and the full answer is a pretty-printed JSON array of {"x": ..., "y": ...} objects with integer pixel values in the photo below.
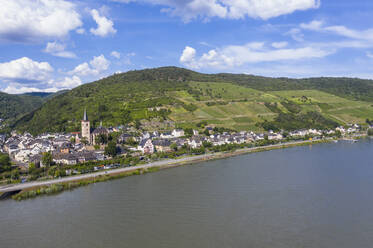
[
  {"x": 178, "y": 133},
  {"x": 146, "y": 146},
  {"x": 195, "y": 142},
  {"x": 162, "y": 145}
]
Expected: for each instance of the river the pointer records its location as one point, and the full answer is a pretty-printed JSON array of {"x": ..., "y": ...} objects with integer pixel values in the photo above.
[{"x": 318, "y": 196}]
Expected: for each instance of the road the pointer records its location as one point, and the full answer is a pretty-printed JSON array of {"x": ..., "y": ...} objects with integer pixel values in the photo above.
[{"x": 163, "y": 163}]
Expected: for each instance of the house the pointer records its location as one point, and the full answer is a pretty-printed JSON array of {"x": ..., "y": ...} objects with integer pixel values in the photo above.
[
  {"x": 86, "y": 156},
  {"x": 162, "y": 145},
  {"x": 275, "y": 136},
  {"x": 124, "y": 138},
  {"x": 2, "y": 138},
  {"x": 178, "y": 133},
  {"x": 195, "y": 142},
  {"x": 166, "y": 135},
  {"x": 341, "y": 129},
  {"x": 65, "y": 148},
  {"x": 210, "y": 130},
  {"x": 63, "y": 158},
  {"x": 146, "y": 146}
]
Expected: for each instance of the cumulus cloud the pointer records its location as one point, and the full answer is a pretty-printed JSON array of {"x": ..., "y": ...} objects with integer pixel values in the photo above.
[
  {"x": 233, "y": 55},
  {"x": 25, "y": 21},
  {"x": 25, "y": 70},
  {"x": 188, "y": 57},
  {"x": 97, "y": 65},
  {"x": 115, "y": 54},
  {"x": 104, "y": 25},
  {"x": 67, "y": 82},
  {"x": 58, "y": 49},
  {"x": 232, "y": 9}
]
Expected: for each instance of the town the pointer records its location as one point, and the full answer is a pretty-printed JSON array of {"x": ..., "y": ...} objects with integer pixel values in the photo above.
[{"x": 97, "y": 148}]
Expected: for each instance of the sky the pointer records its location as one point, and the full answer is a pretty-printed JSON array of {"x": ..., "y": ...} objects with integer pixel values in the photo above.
[{"x": 51, "y": 45}]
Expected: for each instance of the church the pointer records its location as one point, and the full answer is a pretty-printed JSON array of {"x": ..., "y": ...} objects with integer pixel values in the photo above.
[{"x": 86, "y": 133}]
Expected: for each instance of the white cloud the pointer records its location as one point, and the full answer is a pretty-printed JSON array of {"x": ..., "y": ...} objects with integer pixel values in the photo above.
[
  {"x": 115, "y": 54},
  {"x": 25, "y": 20},
  {"x": 188, "y": 57},
  {"x": 25, "y": 70},
  {"x": 67, "y": 83},
  {"x": 104, "y": 25},
  {"x": 231, "y": 9},
  {"x": 234, "y": 56},
  {"x": 96, "y": 66},
  {"x": 369, "y": 55},
  {"x": 314, "y": 25},
  {"x": 279, "y": 44},
  {"x": 58, "y": 49},
  {"x": 296, "y": 34},
  {"x": 340, "y": 30},
  {"x": 19, "y": 89}
]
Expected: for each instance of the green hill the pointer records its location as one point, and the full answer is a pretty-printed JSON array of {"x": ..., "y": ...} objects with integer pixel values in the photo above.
[
  {"x": 234, "y": 101},
  {"x": 14, "y": 106}
]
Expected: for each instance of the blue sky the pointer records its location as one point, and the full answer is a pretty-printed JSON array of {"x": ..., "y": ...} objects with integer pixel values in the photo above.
[{"x": 49, "y": 45}]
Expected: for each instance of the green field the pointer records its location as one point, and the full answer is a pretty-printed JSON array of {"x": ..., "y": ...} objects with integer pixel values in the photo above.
[{"x": 244, "y": 107}]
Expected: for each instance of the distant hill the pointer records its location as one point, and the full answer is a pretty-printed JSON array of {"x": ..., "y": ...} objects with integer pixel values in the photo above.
[
  {"x": 189, "y": 98},
  {"x": 13, "y": 107}
]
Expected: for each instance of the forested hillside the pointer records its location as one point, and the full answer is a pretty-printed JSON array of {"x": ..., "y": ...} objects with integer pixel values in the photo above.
[
  {"x": 13, "y": 106},
  {"x": 189, "y": 98}
]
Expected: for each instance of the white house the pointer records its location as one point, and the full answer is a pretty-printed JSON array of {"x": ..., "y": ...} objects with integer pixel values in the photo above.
[{"x": 178, "y": 133}]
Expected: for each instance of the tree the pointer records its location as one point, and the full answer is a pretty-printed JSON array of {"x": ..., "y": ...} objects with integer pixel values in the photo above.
[
  {"x": 72, "y": 140},
  {"x": 111, "y": 149},
  {"x": 370, "y": 131},
  {"x": 101, "y": 139},
  {"x": 206, "y": 132},
  {"x": 188, "y": 132},
  {"x": 5, "y": 164},
  {"x": 206, "y": 144},
  {"x": 173, "y": 146},
  {"x": 47, "y": 159},
  {"x": 31, "y": 167},
  {"x": 84, "y": 141}
]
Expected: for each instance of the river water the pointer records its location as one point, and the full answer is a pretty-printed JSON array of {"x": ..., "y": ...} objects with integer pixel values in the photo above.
[{"x": 313, "y": 196}]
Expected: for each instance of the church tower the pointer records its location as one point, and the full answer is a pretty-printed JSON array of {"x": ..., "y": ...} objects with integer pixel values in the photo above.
[{"x": 86, "y": 127}]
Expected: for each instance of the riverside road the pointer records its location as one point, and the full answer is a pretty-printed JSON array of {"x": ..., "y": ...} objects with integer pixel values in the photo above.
[{"x": 163, "y": 163}]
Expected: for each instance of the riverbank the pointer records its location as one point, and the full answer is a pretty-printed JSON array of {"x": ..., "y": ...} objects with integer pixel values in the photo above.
[{"x": 33, "y": 189}]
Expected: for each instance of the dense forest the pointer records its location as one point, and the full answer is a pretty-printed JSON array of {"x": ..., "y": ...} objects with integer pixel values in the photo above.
[{"x": 14, "y": 106}]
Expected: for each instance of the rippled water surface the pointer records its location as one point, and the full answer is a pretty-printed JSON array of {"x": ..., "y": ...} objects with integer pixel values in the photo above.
[{"x": 317, "y": 196}]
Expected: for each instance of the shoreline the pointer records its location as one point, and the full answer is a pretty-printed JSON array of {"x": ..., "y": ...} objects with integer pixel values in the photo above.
[{"x": 54, "y": 186}]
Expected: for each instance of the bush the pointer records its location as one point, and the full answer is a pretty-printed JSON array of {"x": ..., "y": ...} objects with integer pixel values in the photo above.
[{"x": 370, "y": 131}]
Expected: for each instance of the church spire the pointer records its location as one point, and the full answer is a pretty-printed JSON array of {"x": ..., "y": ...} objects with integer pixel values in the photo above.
[{"x": 85, "y": 118}]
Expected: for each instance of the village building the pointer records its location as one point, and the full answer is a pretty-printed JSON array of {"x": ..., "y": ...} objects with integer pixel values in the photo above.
[
  {"x": 146, "y": 146},
  {"x": 162, "y": 145},
  {"x": 178, "y": 133}
]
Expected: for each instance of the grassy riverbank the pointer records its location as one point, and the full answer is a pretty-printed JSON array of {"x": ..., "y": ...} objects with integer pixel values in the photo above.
[
  {"x": 60, "y": 187},
  {"x": 55, "y": 188}
]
